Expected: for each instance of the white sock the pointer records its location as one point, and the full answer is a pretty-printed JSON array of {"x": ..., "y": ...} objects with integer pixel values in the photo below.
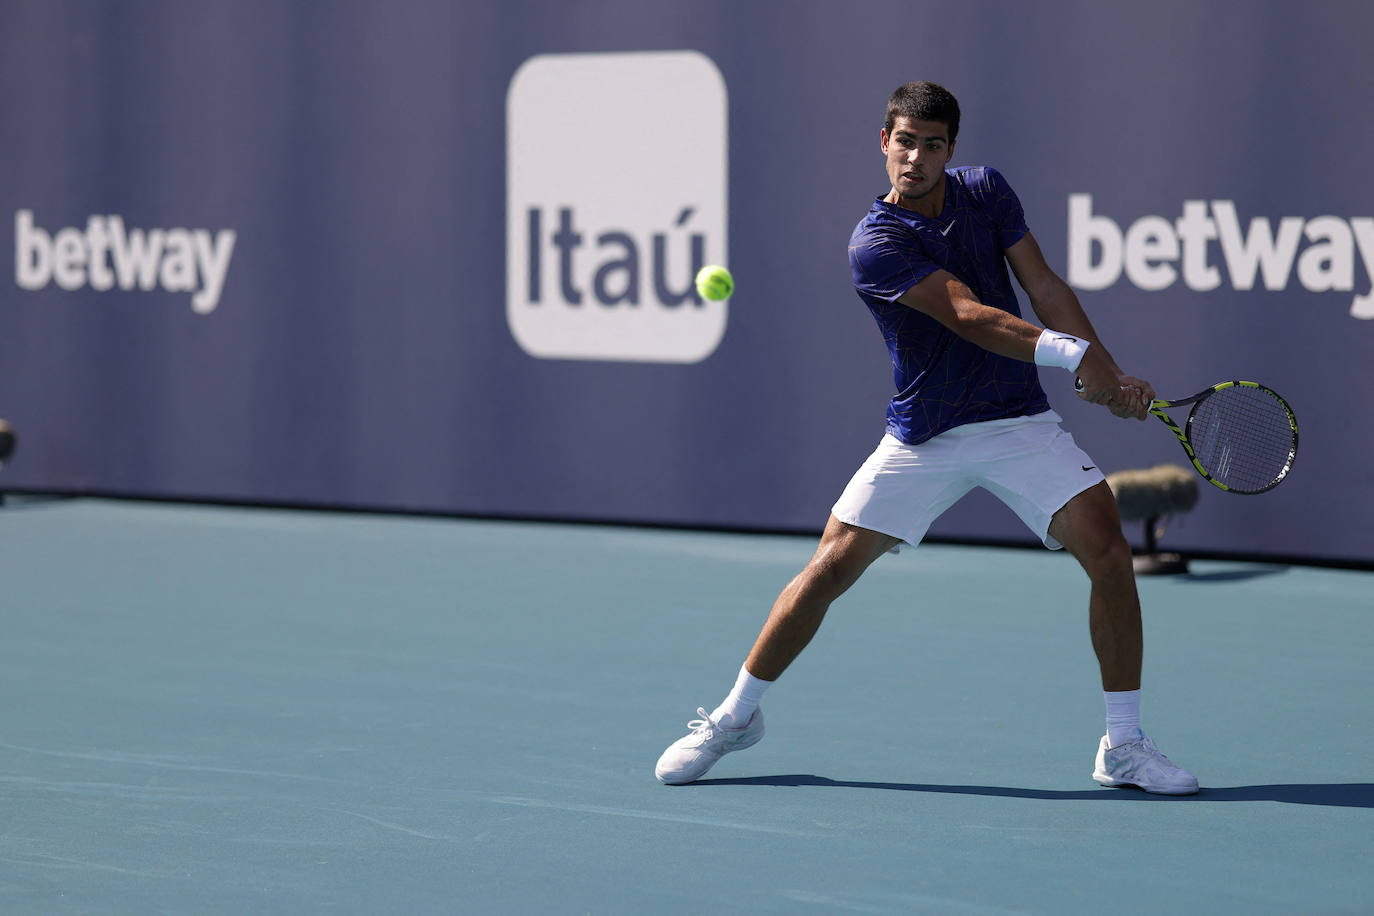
[
  {"x": 1123, "y": 716},
  {"x": 738, "y": 708}
]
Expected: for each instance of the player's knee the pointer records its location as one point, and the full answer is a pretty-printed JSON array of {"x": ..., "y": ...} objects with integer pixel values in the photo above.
[
  {"x": 1108, "y": 554},
  {"x": 826, "y": 578}
]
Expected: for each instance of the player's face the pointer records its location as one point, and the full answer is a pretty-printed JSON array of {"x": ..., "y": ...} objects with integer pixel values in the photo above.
[{"x": 917, "y": 153}]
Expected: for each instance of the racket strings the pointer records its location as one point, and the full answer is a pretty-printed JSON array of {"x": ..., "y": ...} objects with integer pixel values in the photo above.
[{"x": 1243, "y": 437}]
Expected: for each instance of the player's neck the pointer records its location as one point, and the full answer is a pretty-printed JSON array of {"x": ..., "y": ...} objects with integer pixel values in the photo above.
[{"x": 930, "y": 205}]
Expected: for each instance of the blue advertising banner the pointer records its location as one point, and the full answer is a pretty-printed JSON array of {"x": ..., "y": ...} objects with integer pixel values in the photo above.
[{"x": 425, "y": 256}]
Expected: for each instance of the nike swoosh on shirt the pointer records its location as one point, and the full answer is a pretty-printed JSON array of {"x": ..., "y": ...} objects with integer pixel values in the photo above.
[{"x": 945, "y": 231}]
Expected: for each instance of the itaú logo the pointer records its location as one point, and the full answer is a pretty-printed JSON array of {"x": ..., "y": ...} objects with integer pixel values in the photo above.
[
  {"x": 1155, "y": 252},
  {"x": 616, "y": 180}
]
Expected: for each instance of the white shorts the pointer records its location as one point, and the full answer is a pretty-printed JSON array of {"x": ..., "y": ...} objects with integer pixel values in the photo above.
[{"x": 1030, "y": 463}]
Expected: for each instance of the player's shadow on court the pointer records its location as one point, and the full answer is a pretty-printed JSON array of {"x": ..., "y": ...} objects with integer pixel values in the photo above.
[
  {"x": 1338, "y": 795},
  {"x": 1231, "y": 575}
]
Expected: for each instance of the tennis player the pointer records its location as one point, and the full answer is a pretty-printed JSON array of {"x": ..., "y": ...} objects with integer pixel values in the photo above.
[{"x": 930, "y": 260}]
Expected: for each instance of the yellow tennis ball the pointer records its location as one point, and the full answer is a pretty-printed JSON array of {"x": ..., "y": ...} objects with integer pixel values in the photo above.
[{"x": 715, "y": 283}]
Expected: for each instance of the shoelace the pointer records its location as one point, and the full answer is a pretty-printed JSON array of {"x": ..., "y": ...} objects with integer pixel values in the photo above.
[
  {"x": 705, "y": 723},
  {"x": 1154, "y": 752}
]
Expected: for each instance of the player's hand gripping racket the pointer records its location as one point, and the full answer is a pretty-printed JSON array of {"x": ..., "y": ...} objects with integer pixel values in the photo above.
[{"x": 1240, "y": 436}]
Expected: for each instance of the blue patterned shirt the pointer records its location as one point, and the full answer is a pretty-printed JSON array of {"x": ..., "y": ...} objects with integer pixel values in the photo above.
[{"x": 943, "y": 381}]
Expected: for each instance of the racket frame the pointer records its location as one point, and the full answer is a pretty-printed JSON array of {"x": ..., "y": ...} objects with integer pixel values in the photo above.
[{"x": 1158, "y": 406}]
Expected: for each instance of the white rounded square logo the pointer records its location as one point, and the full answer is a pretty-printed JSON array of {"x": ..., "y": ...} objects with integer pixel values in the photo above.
[{"x": 616, "y": 181}]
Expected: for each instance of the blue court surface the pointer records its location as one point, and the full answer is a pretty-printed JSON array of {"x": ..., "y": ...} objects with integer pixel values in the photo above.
[{"x": 232, "y": 710}]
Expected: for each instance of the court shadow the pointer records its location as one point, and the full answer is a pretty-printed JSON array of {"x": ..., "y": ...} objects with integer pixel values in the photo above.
[
  {"x": 1338, "y": 795},
  {"x": 1231, "y": 575},
  {"x": 13, "y": 501}
]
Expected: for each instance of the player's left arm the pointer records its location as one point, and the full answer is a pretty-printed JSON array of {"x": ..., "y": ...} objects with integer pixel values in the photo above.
[{"x": 1057, "y": 307}]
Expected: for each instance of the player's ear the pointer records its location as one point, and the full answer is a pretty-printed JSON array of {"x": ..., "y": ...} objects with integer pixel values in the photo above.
[{"x": 882, "y": 140}]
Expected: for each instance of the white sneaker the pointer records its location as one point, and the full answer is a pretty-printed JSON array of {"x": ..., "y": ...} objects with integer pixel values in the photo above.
[
  {"x": 688, "y": 758},
  {"x": 1139, "y": 763}
]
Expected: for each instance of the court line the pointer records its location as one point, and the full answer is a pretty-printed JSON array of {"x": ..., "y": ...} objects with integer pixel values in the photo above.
[
  {"x": 47, "y": 861},
  {"x": 391, "y": 826},
  {"x": 645, "y": 815},
  {"x": 137, "y": 760},
  {"x": 901, "y": 903}
]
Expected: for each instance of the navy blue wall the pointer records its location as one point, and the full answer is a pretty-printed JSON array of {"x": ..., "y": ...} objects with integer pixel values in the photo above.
[{"x": 360, "y": 176}]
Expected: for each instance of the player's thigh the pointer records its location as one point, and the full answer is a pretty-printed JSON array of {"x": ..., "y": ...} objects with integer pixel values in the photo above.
[
  {"x": 843, "y": 554},
  {"x": 1089, "y": 526},
  {"x": 901, "y": 489},
  {"x": 1035, "y": 468}
]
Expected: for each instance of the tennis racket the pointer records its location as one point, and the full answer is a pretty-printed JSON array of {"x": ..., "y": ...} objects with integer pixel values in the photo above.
[{"x": 1240, "y": 436}]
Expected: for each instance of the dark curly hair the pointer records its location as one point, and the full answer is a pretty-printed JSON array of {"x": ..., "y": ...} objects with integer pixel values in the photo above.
[{"x": 924, "y": 101}]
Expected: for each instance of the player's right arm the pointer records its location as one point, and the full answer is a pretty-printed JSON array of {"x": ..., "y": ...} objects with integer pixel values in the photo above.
[{"x": 949, "y": 301}]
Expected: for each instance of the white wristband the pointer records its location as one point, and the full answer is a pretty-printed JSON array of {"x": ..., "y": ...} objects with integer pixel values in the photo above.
[{"x": 1062, "y": 350}]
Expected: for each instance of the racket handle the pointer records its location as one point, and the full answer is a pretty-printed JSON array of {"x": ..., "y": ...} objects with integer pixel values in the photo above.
[{"x": 1077, "y": 383}]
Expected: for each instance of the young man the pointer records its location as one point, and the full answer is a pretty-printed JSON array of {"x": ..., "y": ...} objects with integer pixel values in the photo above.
[{"x": 930, "y": 261}]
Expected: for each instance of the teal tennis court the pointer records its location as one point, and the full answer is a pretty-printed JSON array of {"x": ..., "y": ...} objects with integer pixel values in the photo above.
[{"x": 215, "y": 709}]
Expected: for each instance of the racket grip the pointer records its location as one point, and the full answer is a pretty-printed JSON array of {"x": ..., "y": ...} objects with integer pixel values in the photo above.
[{"x": 1077, "y": 383}]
